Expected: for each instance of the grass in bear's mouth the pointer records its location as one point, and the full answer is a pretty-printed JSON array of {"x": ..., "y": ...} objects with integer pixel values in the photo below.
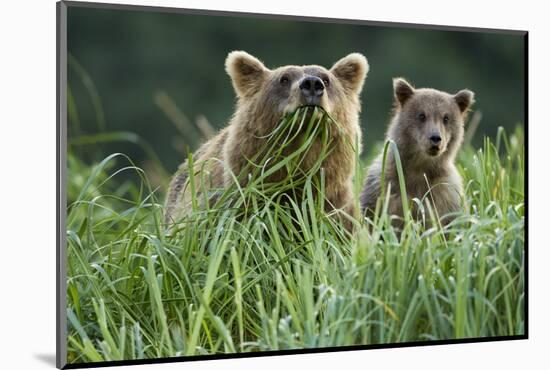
[
  {"x": 283, "y": 278},
  {"x": 312, "y": 106},
  {"x": 278, "y": 170},
  {"x": 290, "y": 141},
  {"x": 305, "y": 116}
]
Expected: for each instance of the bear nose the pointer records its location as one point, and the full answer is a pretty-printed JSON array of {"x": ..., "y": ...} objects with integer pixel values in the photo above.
[
  {"x": 435, "y": 139},
  {"x": 312, "y": 86}
]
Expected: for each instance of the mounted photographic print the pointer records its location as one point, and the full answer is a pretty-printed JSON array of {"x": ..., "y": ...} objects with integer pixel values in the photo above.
[{"x": 234, "y": 185}]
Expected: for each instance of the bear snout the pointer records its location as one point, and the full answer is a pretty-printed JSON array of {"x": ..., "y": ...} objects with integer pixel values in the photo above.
[
  {"x": 312, "y": 89},
  {"x": 435, "y": 139},
  {"x": 436, "y": 145}
]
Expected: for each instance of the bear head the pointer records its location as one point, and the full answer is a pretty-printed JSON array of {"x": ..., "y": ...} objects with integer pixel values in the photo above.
[
  {"x": 428, "y": 124},
  {"x": 269, "y": 94}
]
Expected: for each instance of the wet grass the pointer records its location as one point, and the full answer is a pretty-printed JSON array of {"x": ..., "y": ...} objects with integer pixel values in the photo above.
[{"x": 262, "y": 270}]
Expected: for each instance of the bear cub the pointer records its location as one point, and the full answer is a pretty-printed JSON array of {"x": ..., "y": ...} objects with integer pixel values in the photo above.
[
  {"x": 427, "y": 126},
  {"x": 264, "y": 97}
]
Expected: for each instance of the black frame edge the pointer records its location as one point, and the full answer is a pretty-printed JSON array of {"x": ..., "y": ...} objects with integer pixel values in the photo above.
[
  {"x": 526, "y": 184},
  {"x": 303, "y": 351},
  {"x": 61, "y": 195},
  {"x": 212, "y": 12}
]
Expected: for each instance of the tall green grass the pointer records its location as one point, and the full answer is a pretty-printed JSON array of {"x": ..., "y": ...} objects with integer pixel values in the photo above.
[{"x": 283, "y": 274}]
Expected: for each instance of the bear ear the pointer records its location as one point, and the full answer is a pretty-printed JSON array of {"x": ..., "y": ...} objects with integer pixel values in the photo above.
[
  {"x": 351, "y": 71},
  {"x": 464, "y": 99},
  {"x": 247, "y": 72},
  {"x": 402, "y": 90}
]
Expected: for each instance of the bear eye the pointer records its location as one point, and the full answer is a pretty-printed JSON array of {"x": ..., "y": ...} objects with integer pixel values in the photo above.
[
  {"x": 284, "y": 80},
  {"x": 445, "y": 119},
  {"x": 422, "y": 117},
  {"x": 326, "y": 80}
]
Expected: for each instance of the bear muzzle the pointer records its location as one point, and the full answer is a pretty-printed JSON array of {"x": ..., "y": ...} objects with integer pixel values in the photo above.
[
  {"x": 312, "y": 90},
  {"x": 436, "y": 144}
]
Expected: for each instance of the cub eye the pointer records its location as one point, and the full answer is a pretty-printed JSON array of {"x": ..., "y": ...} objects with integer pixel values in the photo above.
[
  {"x": 422, "y": 117},
  {"x": 326, "y": 81},
  {"x": 445, "y": 119},
  {"x": 284, "y": 80}
]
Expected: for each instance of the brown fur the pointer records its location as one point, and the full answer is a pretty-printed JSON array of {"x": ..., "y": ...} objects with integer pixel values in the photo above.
[
  {"x": 418, "y": 115},
  {"x": 263, "y": 98}
]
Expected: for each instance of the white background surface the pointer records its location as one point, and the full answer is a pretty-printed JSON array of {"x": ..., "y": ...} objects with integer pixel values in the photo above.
[{"x": 27, "y": 183}]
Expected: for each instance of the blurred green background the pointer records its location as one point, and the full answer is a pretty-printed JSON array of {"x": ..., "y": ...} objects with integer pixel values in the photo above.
[{"x": 158, "y": 79}]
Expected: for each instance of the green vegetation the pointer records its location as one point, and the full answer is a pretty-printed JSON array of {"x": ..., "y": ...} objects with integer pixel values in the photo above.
[{"x": 260, "y": 271}]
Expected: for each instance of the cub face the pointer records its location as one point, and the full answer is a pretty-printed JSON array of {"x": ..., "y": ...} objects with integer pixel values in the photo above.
[
  {"x": 276, "y": 92},
  {"x": 430, "y": 121}
]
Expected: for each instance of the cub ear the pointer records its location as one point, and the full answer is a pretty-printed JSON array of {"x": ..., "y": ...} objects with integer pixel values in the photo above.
[
  {"x": 351, "y": 71},
  {"x": 247, "y": 73},
  {"x": 402, "y": 90},
  {"x": 464, "y": 99}
]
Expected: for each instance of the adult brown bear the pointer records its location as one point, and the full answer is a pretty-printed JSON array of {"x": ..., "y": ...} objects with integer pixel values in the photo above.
[{"x": 264, "y": 97}]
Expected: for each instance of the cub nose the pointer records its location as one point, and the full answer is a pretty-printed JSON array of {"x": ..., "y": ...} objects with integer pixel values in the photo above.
[
  {"x": 312, "y": 86},
  {"x": 435, "y": 139}
]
